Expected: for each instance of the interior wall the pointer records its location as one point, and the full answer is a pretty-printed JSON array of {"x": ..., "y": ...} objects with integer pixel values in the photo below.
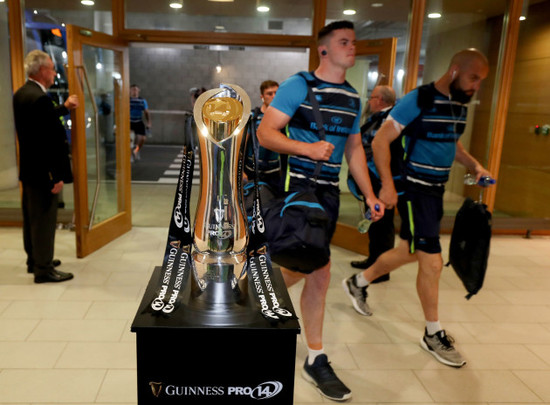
[
  {"x": 525, "y": 169},
  {"x": 165, "y": 75}
]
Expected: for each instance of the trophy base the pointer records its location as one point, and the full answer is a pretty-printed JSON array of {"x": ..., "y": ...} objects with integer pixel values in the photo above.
[{"x": 193, "y": 355}]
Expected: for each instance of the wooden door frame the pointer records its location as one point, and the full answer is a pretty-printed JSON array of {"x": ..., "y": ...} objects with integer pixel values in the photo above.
[{"x": 89, "y": 240}]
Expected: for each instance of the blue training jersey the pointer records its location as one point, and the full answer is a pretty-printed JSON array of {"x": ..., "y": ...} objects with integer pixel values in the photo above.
[
  {"x": 340, "y": 108},
  {"x": 430, "y": 135},
  {"x": 137, "y": 106}
]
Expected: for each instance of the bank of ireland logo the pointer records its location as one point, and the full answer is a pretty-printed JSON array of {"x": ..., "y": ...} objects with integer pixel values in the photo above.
[
  {"x": 336, "y": 120},
  {"x": 156, "y": 388}
]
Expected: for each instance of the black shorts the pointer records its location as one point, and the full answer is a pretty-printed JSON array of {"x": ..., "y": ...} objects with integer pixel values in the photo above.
[
  {"x": 138, "y": 127},
  {"x": 420, "y": 220},
  {"x": 328, "y": 196}
]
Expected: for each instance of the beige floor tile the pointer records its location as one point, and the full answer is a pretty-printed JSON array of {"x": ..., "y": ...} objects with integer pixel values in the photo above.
[
  {"x": 112, "y": 310},
  {"x": 501, "y": 357},
  {"x": 354, "y": 332},
  {"x": 536, "y": 381},
  {"x": 100, "y": 293},
  {"x": 542, "y": 351},
  {"x": 78, "y": 331},
  {"x": 29, "y": 355},
  {"x": 521, "y": 333},
  {"x": 46, "y": 310},
  {"x": 33, "y": 291},
  {"x": 50, "y": 386},
  {"x": 93, "y": 355},
  {"x": 384, "y": 386},
  {"x": 16, "y": 329},
  {"x": 119, "y": 386},
  {"x": 465, "y": 385},
  {"x": 395, "y": 356},
  {"x": 516, "y": 313}
]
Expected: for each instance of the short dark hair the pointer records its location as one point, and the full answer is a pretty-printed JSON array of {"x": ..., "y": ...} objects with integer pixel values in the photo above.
[
  {"x": 333, "y": 26},
  {"x": 134, "y": 85},
  {"x": 267, "y": 84}
]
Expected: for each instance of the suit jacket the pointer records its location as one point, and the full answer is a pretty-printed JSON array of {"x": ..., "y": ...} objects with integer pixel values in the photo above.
[{"x": 43, "y": 147}]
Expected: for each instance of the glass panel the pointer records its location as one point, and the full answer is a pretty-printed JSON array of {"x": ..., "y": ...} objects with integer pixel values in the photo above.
[
  {"x": 9, "y": 185},
  {"x": 525, "y": 169},
  {"x": 376, "y": 20},
  {"x": 44, "y": 16},
  {"x": 460, "y": 25},
  {"x": 284, "y": 17},
  {"x": 103, "y": 73}
]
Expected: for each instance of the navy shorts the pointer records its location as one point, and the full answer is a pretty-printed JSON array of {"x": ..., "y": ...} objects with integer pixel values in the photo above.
[
  {"x": 138, "y": 127},
  {"x": 420, "y": 220}
]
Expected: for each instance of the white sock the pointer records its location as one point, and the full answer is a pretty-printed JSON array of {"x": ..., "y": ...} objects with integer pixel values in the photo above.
[
  {"x": 312, "y": 354},
  {"x": 433, "y": 327},
  {"x": 360, "y": 280}
]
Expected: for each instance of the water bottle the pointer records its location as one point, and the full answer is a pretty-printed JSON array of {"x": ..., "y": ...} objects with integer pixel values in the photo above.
[
  {"x": 470, "y": 180},
  {"x": 364, "y": 225}
]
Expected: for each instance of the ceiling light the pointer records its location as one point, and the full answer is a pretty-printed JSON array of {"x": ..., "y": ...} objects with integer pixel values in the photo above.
[
  {"x": 349, "y": 7},
  {"x": 87, "y": 2},
  {"x": 176, "y": 4},
  {"x": 376, "y": 5},
  {"x": 262, "y": 6},
  {"x": 524, "y": 9},
  {"x": 218, "y": 68},
  {"x": 435, "y": 8}
]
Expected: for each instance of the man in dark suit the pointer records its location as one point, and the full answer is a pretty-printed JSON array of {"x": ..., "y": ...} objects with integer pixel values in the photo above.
[{"x": 44, "y": 164}]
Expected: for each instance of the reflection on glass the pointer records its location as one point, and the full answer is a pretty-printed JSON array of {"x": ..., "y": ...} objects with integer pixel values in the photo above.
[
  {"x": 284, "y": 17},
  {"x": 377, "y": 20},
  {"x": 100, "y": 100},
  {"x": 9, "y": 184},
  {"x": 464, "y": 25},
  {"x": 44, "y": 18},
  {"x": 524, "y": 175}
]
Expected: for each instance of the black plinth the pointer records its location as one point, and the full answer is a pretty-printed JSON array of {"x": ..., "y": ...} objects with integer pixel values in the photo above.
[{"x": 182, "y": 361}]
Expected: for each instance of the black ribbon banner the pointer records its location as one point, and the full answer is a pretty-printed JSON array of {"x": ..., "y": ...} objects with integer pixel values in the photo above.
[
  {"x": 177, "y": 256},
  {"x": 258, "y": 266}
]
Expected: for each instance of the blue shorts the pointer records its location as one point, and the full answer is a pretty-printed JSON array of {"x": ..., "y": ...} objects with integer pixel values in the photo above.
[{"x": 420, "y": 220}]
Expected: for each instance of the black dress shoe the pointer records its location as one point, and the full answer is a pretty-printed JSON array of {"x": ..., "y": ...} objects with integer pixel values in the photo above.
[
  {"x": 360, "y": 264},
  {"x": 53, "y": 276},
  {"x": 55, "y": 263}
]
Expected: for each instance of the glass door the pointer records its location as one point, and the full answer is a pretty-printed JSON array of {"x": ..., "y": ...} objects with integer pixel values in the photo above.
[
  {"x": 374, "y": 65},
  {"x": 98, "y": 74}
]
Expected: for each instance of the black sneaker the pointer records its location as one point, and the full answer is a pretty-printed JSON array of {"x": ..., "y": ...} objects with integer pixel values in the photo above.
[{"x": 321, "y": 374}]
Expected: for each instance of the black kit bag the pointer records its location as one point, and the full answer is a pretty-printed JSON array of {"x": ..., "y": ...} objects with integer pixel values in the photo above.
[
  {"x": 470, "y": 242},
  {"x": 297, "y": 232},
  {"x": 296, "y": 225}
]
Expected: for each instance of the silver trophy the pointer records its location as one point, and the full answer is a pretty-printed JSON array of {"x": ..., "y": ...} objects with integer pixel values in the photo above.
[{"x": 219, "y": 282}]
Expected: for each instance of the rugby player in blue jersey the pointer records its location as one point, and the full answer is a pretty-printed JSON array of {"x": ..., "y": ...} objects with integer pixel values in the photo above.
[
  {"x": 340, "y": 108},
  {"x": 431, "y": 119}
]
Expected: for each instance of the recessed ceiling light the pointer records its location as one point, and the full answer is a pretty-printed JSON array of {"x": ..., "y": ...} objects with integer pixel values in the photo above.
[
  {"x": 262, "y": 9},
  {"x": 376, "y": 5},
  {"x": 87, "y": 2},
  {"x": 350, "y": 12},
  {"x": 176, "y": 4},
  {"x": 434, "y": 15}
]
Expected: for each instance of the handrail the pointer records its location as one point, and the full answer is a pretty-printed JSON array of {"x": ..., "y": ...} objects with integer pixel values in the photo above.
[{"x": 97, "y": 144}]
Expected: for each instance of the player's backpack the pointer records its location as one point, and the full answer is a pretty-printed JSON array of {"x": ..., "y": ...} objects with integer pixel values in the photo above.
[{"x": 470, "y": 242}]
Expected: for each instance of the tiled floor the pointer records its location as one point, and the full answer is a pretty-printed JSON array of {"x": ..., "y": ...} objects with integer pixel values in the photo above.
[{"x": 71, "y": 343}]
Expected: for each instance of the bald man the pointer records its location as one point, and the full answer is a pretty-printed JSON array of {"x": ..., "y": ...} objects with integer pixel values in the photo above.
[{"x": 431, "y": 119}]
